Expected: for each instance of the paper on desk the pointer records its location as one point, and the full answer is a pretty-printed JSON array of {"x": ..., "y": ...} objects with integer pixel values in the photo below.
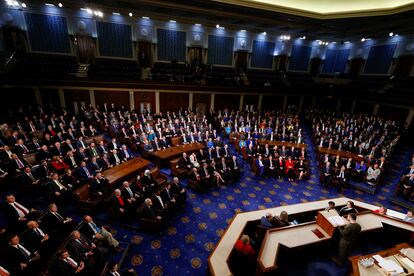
[
  {"x": 388, "y": 265},
  {"x": 336, "y": 220},
  {"x": 407, "y": 262}
]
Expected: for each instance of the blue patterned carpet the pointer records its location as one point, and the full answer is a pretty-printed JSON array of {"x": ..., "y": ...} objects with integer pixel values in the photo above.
[{"x": 190, "y": 236}]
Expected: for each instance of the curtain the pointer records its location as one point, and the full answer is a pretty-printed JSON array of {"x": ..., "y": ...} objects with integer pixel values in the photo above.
[
  {"x": 220, "y": 50},
  {"x": 379, "y": 59},
  {"x": 114, "y": 40},
  {"x": 47, "y": 33},
  {"x": 262, "y": 54},
  {"x": 171, "y": 45},
  {"x": 335, "y": 61},
  {"x": 299, "y": 58}
]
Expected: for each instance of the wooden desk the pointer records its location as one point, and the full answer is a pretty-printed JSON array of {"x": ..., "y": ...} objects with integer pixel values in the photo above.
[
  {"x": 388, "y": 254},
  {"x": 190, "y": 148},
  {"x": 217, "y": 261},
  {"x": 163, "y": 156},
  {"x": 343, "y": 154},
  {"x": 125, "y": 170}
]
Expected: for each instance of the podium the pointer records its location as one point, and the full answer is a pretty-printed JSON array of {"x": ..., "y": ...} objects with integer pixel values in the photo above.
[{"x": 329, "y": 220}]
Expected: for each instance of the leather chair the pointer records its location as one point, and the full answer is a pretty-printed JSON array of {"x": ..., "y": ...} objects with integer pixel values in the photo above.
[
  {"x": 176, "y": 170},
  {"x": 158, "y": 177},
  {"x": 86, "y": 200}
]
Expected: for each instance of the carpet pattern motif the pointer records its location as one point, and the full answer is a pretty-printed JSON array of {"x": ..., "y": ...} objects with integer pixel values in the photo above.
[{"x": 191, "y": 234}]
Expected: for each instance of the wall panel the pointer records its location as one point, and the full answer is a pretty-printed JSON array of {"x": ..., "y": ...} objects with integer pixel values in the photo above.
[
  {"x": 144, "y": 97},
  {"x": 272, "y": 102},
  {"x": 119, "y": 98},
  {"x": 73, "y": 97},
  {"x": 229, "y": 101},
  {"x": 173, "y": 101}
]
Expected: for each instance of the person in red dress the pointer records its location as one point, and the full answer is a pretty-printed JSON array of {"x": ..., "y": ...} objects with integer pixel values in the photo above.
[
  {"x": 243, "y": 245},
  {"x": 290, "y": 168}
]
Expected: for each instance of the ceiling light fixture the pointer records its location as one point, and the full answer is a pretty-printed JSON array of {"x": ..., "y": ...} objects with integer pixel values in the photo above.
[
  {"x": 130, "y": 14},
  {"x": 60, "y": 5},
  {"x": 173, "y": 21},
  {"x": 49, "y": 4},
  {"x": 145, "y": 17},
  {"x": 24, "y": 5},
  {"x": 116, "y": 13},
  {"x": 391, "y": 34}
]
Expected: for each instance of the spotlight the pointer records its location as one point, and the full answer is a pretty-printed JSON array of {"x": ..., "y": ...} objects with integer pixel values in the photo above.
[
  {"x": 217, "y": 26},
  {"x": 116, "y": 13},
  {"x": 391, "y": 34},
  {"x": 197, "y": 24},
  {"x": 100, "y": 14},
  {"x": 173, "y": 21},
  {"x": 60, "y": 5},
  {"x": 130, "y": 14},
  {"x": 88, "y": 10},
  {"x": 49, "y": 4},
  {"x": 302, "y": 37},
  {"x": 363, "y": 39},
  {"x": 243, "y": 31},
  {"x": 264, "y": 33},
  {"x": 24, "y": 5},
  {"x": 145, "y": 17}
]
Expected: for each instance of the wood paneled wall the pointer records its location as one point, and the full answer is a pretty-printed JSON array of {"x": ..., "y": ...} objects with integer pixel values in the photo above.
[
  {"x": 272, "y": 102},
  {"x": 78, "y": 96},
  {"x": 173, "y": 101},
  {"x": 144, "y": 97},
  {"x": 119, "y": 98},
  {"x": 251, "y": 100},
  {"x": 50, "y": 98},
  {"x": 223, "y": 101}
]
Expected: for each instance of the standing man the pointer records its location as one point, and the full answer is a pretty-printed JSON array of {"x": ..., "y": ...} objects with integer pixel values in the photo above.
[{"x": 349, "y": 234}]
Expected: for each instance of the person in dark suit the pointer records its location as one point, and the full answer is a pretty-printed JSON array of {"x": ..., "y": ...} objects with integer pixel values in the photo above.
[
  {"x": 93, "y": 151},
  {"x": 102, "y": 149},
  {"x": 96, "y": 233},
  {"x": 178, "y": 191},
  {"x": 94, "y": 166},
  {"x": 115, "y": 159},
  {"x": 225, "y": 170},
  {"x": 148, "y": 212},
  {"x": 83, "y": 172},
  {"x": 21, "y": 260},
  {"x": 260, "y": 165},
  {"x": 83, "y": 249},
  {"x": 113, "y": 145},
  {"x": 16, "y": 164},
  {"x": 66, "y": 266},
  {"x": 158, "y": 203},
  {"x": 56, "y": 223},
  {"x": 349, "y": 234},
  {"x": 130, "y": 196},
  {"x": 125, "y": 153},
  {"x": 58, "y": 190},
  {"x": 104, "y": 162},
  {"x": 81, "y": 155},
  {"x": 168, "y": 197},
  {"x": 18, "y": 214},
  {"x": 206, "y": 175},
  {"x": 44, "y": 154},
  {"x": 99, "y": 185},
  {"x": 35, "y": 238},
  {"x": 326, "y": 174},
  {"x": 70, "y": 160},
  {"x": 68, "y": 146},
  {"x": 28, "y": 179},
  {"x": 270, "y": 167}
]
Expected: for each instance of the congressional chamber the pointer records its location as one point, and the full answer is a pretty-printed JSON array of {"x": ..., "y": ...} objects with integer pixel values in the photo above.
[{"x": 206, "y": 137}]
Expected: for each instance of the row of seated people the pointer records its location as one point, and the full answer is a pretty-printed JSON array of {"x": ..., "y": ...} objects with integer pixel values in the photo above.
[
  {"x": 268, "y": 125},
  {"x": 33, "y": 239},
  {"x": 405, "y": 186},
  {"x": 278, "y": 162},
  {"x": 128, "y": 201},
  {"x": 357, "y": 133},
  {"x": 338, "y": 171},
  {"x": 205, "y": 174}
]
